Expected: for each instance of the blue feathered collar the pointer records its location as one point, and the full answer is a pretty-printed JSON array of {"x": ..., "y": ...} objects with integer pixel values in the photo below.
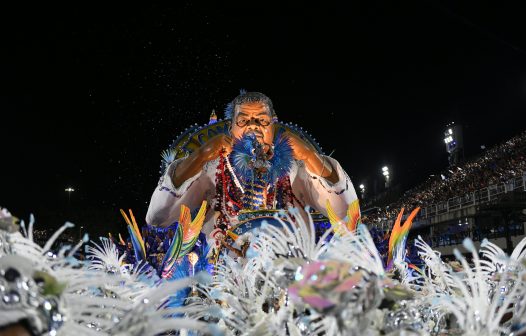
[{"x": 250, "y": 162}]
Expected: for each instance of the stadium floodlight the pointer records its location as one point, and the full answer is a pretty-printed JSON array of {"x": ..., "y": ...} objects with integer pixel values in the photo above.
[
  {"x": 448, "y": 139},
  {"x": 362, "y": 187},
  {"x": 385, "y": 173},
  {"x": 454, "y": 142}
]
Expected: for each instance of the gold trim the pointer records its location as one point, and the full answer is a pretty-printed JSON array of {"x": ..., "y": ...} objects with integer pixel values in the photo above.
[
  {"x": 253, "y": 197},
  {"x": 254, "y": 192}
]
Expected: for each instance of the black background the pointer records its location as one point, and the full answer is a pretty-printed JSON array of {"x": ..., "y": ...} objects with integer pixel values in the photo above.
[{"x": 92, "y": 94}]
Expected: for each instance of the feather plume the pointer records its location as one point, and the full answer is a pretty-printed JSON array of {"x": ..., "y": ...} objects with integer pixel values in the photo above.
[
  {"x": 399, "y": 234},
  {"x": 185, "y": 237}
]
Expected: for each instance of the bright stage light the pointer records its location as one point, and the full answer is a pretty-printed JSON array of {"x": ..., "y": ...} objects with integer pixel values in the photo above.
[{"x": 448, "y": 139}]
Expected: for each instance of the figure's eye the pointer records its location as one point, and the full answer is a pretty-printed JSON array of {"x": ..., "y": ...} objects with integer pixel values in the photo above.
[
  {"x": 242, "y": 121},
  {"x": 264, "y": 121}
]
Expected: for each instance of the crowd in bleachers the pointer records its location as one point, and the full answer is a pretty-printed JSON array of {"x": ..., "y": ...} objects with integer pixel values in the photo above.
[
  {"x": 455, "y": 234},
  {"x": 495, "y": 165}
]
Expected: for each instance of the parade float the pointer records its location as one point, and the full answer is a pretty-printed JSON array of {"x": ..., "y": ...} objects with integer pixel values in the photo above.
[{"x": 273, "y": 270}]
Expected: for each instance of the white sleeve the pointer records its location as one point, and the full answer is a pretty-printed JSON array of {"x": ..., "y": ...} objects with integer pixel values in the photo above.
[
  {"x": 315, "y": 190},
  {"x": 166, "y": 201}
]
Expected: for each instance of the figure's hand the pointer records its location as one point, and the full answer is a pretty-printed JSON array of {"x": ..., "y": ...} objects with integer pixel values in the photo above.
[
  {"x": 301, "y": 150},
  {"x": 306, "y": 152},
  {"x": 214, "y": 147},
  {"x": 194, "y": 163}
]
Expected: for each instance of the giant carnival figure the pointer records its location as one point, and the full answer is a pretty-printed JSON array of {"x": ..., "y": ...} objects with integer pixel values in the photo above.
[{"x": 247, "y": 168}]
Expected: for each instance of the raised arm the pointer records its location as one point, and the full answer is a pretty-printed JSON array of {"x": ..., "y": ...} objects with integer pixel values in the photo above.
[
  {"x": 314, "y": 161},
  {"x": 194, "y": 163},
  {"x": 186, "y": 181},
  {"x": 315, "y": 190},
  {"x": 320, "y": 178}
]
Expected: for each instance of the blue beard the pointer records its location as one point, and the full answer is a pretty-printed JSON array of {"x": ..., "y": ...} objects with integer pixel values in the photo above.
[{"x": 256, "y": 169}]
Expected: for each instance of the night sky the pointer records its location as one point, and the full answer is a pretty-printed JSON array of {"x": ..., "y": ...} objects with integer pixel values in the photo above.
[{"x": 92, "y": 95}]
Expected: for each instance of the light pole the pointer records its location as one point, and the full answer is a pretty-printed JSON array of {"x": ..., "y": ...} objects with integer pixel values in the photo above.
[
  {"x": 69, "y": 190},
  {"x": 385, "y": 173},
  {"x": 80, "y": 232},
  {"x": 362, "y": 190},
  {"x": 454, "y": 141}
]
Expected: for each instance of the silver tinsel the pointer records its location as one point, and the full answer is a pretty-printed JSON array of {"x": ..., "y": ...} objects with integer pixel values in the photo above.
[
  {"x": 24, "y": 295},
  {"x": 289, "y": 284}
]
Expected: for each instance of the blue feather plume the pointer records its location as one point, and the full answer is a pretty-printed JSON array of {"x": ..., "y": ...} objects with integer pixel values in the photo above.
[
  {"x": 136, "y": 245},
  {"x": 203, "y": 264},
  {"x": 243, "y": 156},
  {"x": 229, "y": 110},
  {"x": 181, "y": 270},
  {"x": 281, "y": 162}
]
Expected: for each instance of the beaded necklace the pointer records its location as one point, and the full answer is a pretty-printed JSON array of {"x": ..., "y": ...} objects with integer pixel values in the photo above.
[{"x": 229, "y": 196}]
